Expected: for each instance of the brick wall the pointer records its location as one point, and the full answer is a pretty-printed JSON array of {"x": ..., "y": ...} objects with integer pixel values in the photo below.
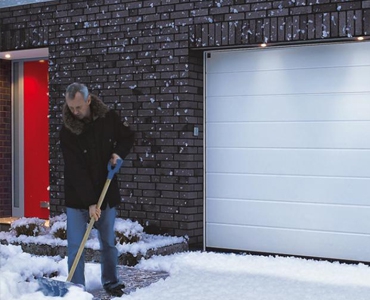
[
  {"x": 144, "y": 58},
  {"x": 255, "y": 22},
  {"x": 5, "y": 140}
]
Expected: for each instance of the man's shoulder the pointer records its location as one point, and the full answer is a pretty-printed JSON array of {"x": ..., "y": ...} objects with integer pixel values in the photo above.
[
  {"x": 111, "y": 115},
  {"x": 111, "y": 112},
  {"x": 114, "y": 117}
]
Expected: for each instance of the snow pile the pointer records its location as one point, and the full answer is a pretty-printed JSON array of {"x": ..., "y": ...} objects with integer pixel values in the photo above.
[
  {"x": 57, "y": 227},
  {"x": 149, "y": 242},
  {"x": 19, "y": 270},
  {"x": 13, "y": 259},
  {"x": 28, "y": 226},
  {"x": 128, "y": 227},
  {"x": 128, "y": 231}
]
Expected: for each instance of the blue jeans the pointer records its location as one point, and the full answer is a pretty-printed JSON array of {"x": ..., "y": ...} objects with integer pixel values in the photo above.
[{"x": 76, "y": 227}]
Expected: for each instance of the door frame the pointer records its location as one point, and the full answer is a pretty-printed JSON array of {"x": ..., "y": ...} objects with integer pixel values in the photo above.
[{"x": 17, "y": 127}]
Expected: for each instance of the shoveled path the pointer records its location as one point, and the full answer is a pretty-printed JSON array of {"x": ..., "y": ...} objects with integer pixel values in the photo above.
[{"x": 133, "y": 279}]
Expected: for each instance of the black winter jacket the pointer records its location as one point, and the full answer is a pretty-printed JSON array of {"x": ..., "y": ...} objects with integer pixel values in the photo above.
[{"x": 87, "y": 148}]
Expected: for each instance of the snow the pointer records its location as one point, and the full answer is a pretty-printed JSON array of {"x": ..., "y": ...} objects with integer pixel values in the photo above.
[
  {"x": 192, "y": 275},
  {"x": 127, "y": 227},
  {"x": 200, "y": 275}
]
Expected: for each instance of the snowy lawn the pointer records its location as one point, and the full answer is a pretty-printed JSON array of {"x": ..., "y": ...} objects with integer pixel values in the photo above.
[{"x": 203, "y": 276}]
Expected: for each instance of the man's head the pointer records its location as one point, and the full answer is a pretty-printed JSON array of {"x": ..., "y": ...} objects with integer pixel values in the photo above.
[{"x": 78, "y": 100}]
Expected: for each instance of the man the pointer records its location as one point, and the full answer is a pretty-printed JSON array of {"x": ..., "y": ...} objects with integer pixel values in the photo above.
[{"x": 91, "y": 136}]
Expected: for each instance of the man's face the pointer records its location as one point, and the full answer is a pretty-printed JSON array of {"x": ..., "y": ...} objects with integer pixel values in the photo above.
[{"x": 78, "y": 106}]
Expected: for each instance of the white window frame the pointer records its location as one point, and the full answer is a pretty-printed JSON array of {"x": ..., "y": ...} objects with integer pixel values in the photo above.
[{"x": 17, "y": 140}]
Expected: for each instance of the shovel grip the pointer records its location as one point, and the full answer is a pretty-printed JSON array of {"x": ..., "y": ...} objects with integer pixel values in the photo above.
[{"x": 114, "y": 169}]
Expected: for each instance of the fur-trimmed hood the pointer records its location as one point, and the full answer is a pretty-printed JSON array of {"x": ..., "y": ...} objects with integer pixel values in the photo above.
[{"x": 98, "y": 110}]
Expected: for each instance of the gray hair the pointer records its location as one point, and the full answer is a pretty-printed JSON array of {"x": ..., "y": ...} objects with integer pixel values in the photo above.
[{"x": 75, "y": 87}]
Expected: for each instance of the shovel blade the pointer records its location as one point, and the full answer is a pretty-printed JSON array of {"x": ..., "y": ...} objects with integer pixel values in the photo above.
[{"x": 54, "y": 288}]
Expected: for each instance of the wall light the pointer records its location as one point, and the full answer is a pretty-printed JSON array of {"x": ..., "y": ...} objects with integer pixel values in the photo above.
[
  {"x": 360, "y": 38},
  {"x": 8, "y": 56},
  {"x": 263, "y": 45}
]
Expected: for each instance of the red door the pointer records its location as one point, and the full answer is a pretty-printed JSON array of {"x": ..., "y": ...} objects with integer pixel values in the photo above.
[{"x": 36, "y": 139}]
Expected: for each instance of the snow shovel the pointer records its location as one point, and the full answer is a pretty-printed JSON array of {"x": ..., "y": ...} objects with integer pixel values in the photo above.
[{"x": 50, "y": 287}]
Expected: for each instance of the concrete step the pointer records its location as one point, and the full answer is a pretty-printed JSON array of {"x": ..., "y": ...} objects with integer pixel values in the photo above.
[{"x": 91, "y": 255}]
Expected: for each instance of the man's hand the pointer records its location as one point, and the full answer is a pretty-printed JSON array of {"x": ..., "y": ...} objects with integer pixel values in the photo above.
[
  {"x": 94, "y": 212},
  {"x": 114, "y": 158}
]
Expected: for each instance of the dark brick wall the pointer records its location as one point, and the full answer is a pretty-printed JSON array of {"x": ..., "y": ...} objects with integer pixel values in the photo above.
[
  {"x": 144, "y": 58},
  {"x": 5, "y": 140},
  {"x": 255, "y": 22}
]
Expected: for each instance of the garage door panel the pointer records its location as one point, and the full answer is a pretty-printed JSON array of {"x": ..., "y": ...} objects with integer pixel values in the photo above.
[
  {"x": 352, "y": 80},
  {"x": 288, "y": 149},
  {"x": 303, "y": 107},
  {"x": 307, "y": 216},
  {"x": 290, "y": 162},
  {"x": 290, "y": 58},
  {"x": 345, "y": 191},
  {"x": 285, "y": 241},
  {"x": 327, "y": 135}
]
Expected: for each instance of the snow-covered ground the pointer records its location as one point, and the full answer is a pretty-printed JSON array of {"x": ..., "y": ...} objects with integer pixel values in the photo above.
[{"x": 200, "y": 275}]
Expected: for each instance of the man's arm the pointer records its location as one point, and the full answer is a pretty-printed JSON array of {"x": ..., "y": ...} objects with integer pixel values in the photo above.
[{"x": 125, "y": 138}]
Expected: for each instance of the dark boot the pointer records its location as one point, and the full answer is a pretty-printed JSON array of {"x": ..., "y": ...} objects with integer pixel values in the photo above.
[{"x": 114, "y": 289}]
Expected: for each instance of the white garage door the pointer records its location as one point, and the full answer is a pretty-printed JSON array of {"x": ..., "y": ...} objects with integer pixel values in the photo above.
[{"x": 288, "y": 150}]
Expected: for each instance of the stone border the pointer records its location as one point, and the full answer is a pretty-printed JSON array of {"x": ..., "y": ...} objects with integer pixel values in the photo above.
[{"x": 91, "y": 255}]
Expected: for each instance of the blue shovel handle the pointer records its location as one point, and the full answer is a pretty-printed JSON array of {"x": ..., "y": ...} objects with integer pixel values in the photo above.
[{"x": 114, "y": 169}]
